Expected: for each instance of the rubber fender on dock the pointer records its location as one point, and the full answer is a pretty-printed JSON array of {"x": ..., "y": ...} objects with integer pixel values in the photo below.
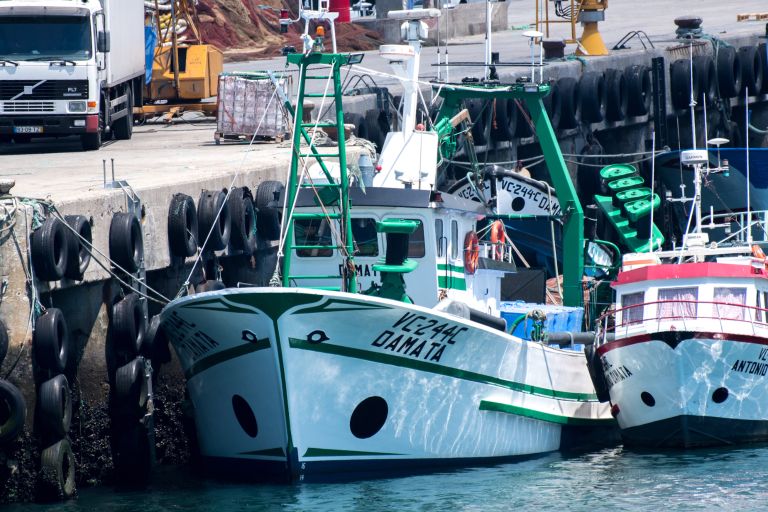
[
  {"x": 131, "y": 389},
  {"x": 155, "y": 346},
  {"x": 182, "y": 226},
  {"x": 704, "y": 67},
  {"x": 55, "y": 407},
  {"x": 14, "y": 411},
  {"x": 209, "y": 219},
  {"x": 552, "y": 104},
  {"x": 592, "y": 95},
  {"x": 639, "y": 89},
  {"x": 570, "y": 104},
  {"x": 209, "y": 286},
  {"x": 126, "y": 244},
  {"x": 751, "y": 71},
  {"x": 479, "y": 111},
  {"x": 243, "y": 215},
  {"x": 616, "y": 98},
  {"x": 501, "y": 112},
  {"x": 680, "y": 84},
  {"x": 360, "y": 129},
  {"x": 595, "y": 368},
  {"x": 269, "y": 217},
  {"x": 377, "y": 125},
  {"x": 133, "y": 460},
  {"x": 728, "y": 72},
  {"x": 50, "y": 341},
  {"x": 49, "y": 250},
  {"x": 78, "y": 246},
  {"x": 57, "y": 471},
  {"x": 129, "y": 326},
  {"x": 3, "y": 341},
  {"x": 523, "y": 120},
  {"x": 762, "y": 51}
]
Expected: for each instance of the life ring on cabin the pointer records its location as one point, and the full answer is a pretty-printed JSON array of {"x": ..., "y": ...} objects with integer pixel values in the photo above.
[
  {"x": 79, "y": 240},
  {"x": 704, "y": 67},
  {"x": 182, "y": 226},
  {"x": 50, "y": 341},
  {"x": 214, "y": 220},
  {"x": 15, "y": 412},
  {"x": 57, "y": 471},
  {"x": 129, "y": 327},
  {"x": 471, "y": 252},
  {"x": 751, "y": 70},
  {"x": 48, "y": 249},
  {"x": 639, "y": 89},
  {"x": 243, "y": 235},
  {"x": 55, "y": 406},
  {"x": 568, "y": 89},
  {"x": 728, "y": 72},
  {"x": 616, "y": 99},
  {"x": 126, "y": 244},
  {"x": 592, "y": 96},
  {"x": 498, "y": 236},
  {"x": 757, "y": 253}
]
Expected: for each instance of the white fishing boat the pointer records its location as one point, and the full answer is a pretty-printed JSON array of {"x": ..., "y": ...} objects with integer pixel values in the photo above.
[{"x": 383, "y": 349}]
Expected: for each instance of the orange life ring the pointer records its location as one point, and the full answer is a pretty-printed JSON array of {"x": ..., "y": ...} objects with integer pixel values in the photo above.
[
  {"x": 498, "y": 236},
  {"x": 757, "y": 252},
  {"x": 471, "y": 252}
]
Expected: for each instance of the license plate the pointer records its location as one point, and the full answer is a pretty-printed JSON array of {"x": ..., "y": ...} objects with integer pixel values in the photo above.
[{"x": 27, "y": 129}]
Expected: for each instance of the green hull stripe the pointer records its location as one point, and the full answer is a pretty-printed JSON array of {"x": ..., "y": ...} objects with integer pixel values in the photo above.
[
  {"x": 485, "y": 405},
  {"x": 269, "y": 452},
  {"x": 225, "y": 355},
  {"x": 453, "y": 268},
  {"x": 324, "y": 452},
  {"x": 456, "y": 283},
  {"x": 424, "y": 366}
]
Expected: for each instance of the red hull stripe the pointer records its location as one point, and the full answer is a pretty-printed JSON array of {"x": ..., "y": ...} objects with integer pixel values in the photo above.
[
  {"x": 644, "y": 338},
  {"x": 688, "y": 271}
]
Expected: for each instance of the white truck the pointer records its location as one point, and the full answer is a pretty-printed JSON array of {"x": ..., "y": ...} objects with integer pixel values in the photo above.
[{"x": 70, "y": 67}]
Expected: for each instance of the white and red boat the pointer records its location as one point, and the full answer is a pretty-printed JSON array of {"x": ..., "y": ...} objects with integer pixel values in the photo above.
[{"x": 685, "y": 357}]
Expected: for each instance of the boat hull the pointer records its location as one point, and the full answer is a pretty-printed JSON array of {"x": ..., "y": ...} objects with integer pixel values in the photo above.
[
  {"x": 306, "y": 385},
  {"x": 684, "y": 390}
]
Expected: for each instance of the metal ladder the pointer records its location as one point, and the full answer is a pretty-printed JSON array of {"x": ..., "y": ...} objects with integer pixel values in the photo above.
[{"x": 332, "y": 197}]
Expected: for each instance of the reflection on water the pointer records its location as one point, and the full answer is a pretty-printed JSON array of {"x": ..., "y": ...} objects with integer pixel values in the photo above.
[{"x": 614, "y": 478}]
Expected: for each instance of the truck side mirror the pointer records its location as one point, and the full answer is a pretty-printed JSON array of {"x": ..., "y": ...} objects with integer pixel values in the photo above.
[{"x": 102, "y": 42}]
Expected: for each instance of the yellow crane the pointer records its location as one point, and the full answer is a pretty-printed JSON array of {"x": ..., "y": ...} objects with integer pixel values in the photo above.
[{"x": 570, "y": 12}]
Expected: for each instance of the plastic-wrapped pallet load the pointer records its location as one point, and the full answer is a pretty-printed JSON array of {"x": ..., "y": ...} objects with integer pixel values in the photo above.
[{"x": 247, "y": 99}]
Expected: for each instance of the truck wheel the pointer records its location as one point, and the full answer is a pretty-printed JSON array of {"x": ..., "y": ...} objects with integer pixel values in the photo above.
[{"x": 123, "y": 129}]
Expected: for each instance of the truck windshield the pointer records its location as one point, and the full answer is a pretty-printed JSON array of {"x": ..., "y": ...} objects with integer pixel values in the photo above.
[{"x": 37, "y": 37}]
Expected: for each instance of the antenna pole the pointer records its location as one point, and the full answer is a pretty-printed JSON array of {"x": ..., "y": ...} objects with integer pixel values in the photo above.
[
  {"x": 652, "y": 245},
  {"x": 746, "y": 137},
  {"x": 693, "y": 99}
]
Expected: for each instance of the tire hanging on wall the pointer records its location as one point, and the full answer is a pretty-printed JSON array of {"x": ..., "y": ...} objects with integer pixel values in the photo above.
[
  {"x": 592, "y": 95},
  {"x": 616, "y": 99},
  {"x": 13, "y": 410},
  {"x": 50, "y": 341},
  {"x": 126, "y": 244},
  {"x": 243, "y": 235},
  {"x": 55, "y": 407},
  {"x": 553, "y": 104},
  {"x": 479, "y": 112},
  {"x": 569, "y": 103},
  {"x": 523, "y": 120},
  {"x": 728, "y": 72},
  {"x": 704, "y": 67},
  {"x": 155, "y": 347},
  {"x": 595, "y": 369},
  {"x": 129, "y": 326},
  {"x": 639, "y": 89},
  {"x": 3, "y": 342},
  {"x": 680, "y": 84},
  {"x": 131, "y": 389},
  {"x": 377, "y": 125},
  {"x": 78, "y": 246},
  {"x": 269, "y": 216},
  {"x": 57, "y": 471},
  {"x": 211, "y": 221},
  {"x": 360, "y": 129},
  {"x": 182, "y": 226},
  {"x": 501, "y": 127},
  {"x": 751, "y": 70},
  {"x": 762, "y": 51},
  {"x": 133, "y": 460},
  {"x": 48, "y": 246}
]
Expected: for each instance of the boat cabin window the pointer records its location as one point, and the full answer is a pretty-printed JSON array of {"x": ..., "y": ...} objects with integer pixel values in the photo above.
[
  {"x": 730, "y": 302},
  {"x": 365, "y": 237},
  {"x": 313, "y": 232},
  {"x": 416, "y": 242},
  {"x": 454, "y": 239},
  {"x": 632, "y": 308},
  {"x": 440, "y": 240},
  {"x": 678, "y": 302}
]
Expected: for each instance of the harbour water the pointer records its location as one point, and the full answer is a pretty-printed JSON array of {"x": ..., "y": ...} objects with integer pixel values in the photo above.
[{"x": 610, "y": 479}]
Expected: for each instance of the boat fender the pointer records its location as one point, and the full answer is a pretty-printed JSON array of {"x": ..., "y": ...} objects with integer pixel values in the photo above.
[
  {"x": 763, "y": 53},
  {"x": 360, "y": 128},
  {"x": 377, "y": 125},
  {"x": 566, "y": 338},
  {"x": 214, "y": 217},
  {"x": 595, "y": 368},
  {"x": 553, "y": 104},
  {"x": 57, "y": 471},
  {"x": 570, "y": 104},
  {"x": 79, "y": 240},
  {"x": 3, "y": 341},
  {"x": 751, "y": 70},
  {"x": 494, "y": 322},
  {"x": 268, "y": 216},
  {"x": 126, "y": 244},
  {"x": 592, "y": 95},
  {"x": 728, "y": 72},
  {"x": 704, "y": 67},
  {"x": 16, "y": 411},
  {"x": 498, "y": 237},
  {"x": 48, "y": 246},
  {"x": 471, "y": 252},
  {"x": 55, "y": 407},
  {"x": 639, "y": 90},
  {"x": 182, "y": 226},
  {"x": 129, "y": 326},
  {"x": 523, "y": 128},
  {"x": 243, "y": 236},
  {"x": 502, "y": 129},
  {"x": 616, "y": 99},
  {"x": 50, "y": 341},
  {"x": 131, "y": 389},
  {"x": 680, "y": 84},
  {"x": 155, "y": 346},
  {"x": 479, "y": 111},
  {"x": 209, "y": 286}
]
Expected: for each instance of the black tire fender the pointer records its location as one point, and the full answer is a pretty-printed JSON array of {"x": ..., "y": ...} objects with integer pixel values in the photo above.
[
  {"x": 728, "y": 72},
  {"x": 131, "y": 388},
  {"x": 377, "y": 126},
  {"x": 479, "y": 111},
  {"x": 751, "y": 70},
  {"x": 553, "y": 104},
  {"x": 55, "y": 406},
  {"x": 126, "y": 243},
  {"x": 639, "y": 89},
  {"x": 13, "y": 411},
  {"x": 269, "y": 216},
  {"x": 4, "y": 340},
  {"x": 155, "y": 346},
  {"x": 50, "y": 341},
  {"x": 570, "y": 104},
  {"x": 762, "y": 51},
  {"x": 616, "y": 99},
  {"x": 523, "y": 120},
  {"x": 592, "y": 95},
  {"x": 210, "y": 221},
  {"x": 57, "y": 471},
  {"x": 501, "y": 128},
  {"x": 182, "y": 226},
  {"x": 360, "y": 129},
  {"x": 79, "y": 240},
  {"x": 129, "y": 326},
  {"x": 595, "y": 369},
  {"x": 704, "y": 67},
  {"x": 48, "y": 246},
  {"x": 133, "y": 458},
  {"x": 680, "y": 84},
  {"x": 243, "y": 215}
]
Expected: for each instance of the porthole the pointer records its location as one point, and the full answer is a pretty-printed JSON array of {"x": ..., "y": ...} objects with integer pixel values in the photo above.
[
  {"x": 368, "y": 417},
  {"x": 245, "y": 416},
  {"x": 647, "y": 399},
  {"x": 518, "y": 204},
  {"x": 720, "y": 395}
]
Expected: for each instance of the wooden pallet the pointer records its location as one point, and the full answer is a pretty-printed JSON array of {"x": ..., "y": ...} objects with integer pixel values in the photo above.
[{"x": 752, "y": 16}]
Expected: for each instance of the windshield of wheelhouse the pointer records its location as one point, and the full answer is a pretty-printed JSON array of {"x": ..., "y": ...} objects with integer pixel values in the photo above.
[{"x": 41, "y": 37}]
